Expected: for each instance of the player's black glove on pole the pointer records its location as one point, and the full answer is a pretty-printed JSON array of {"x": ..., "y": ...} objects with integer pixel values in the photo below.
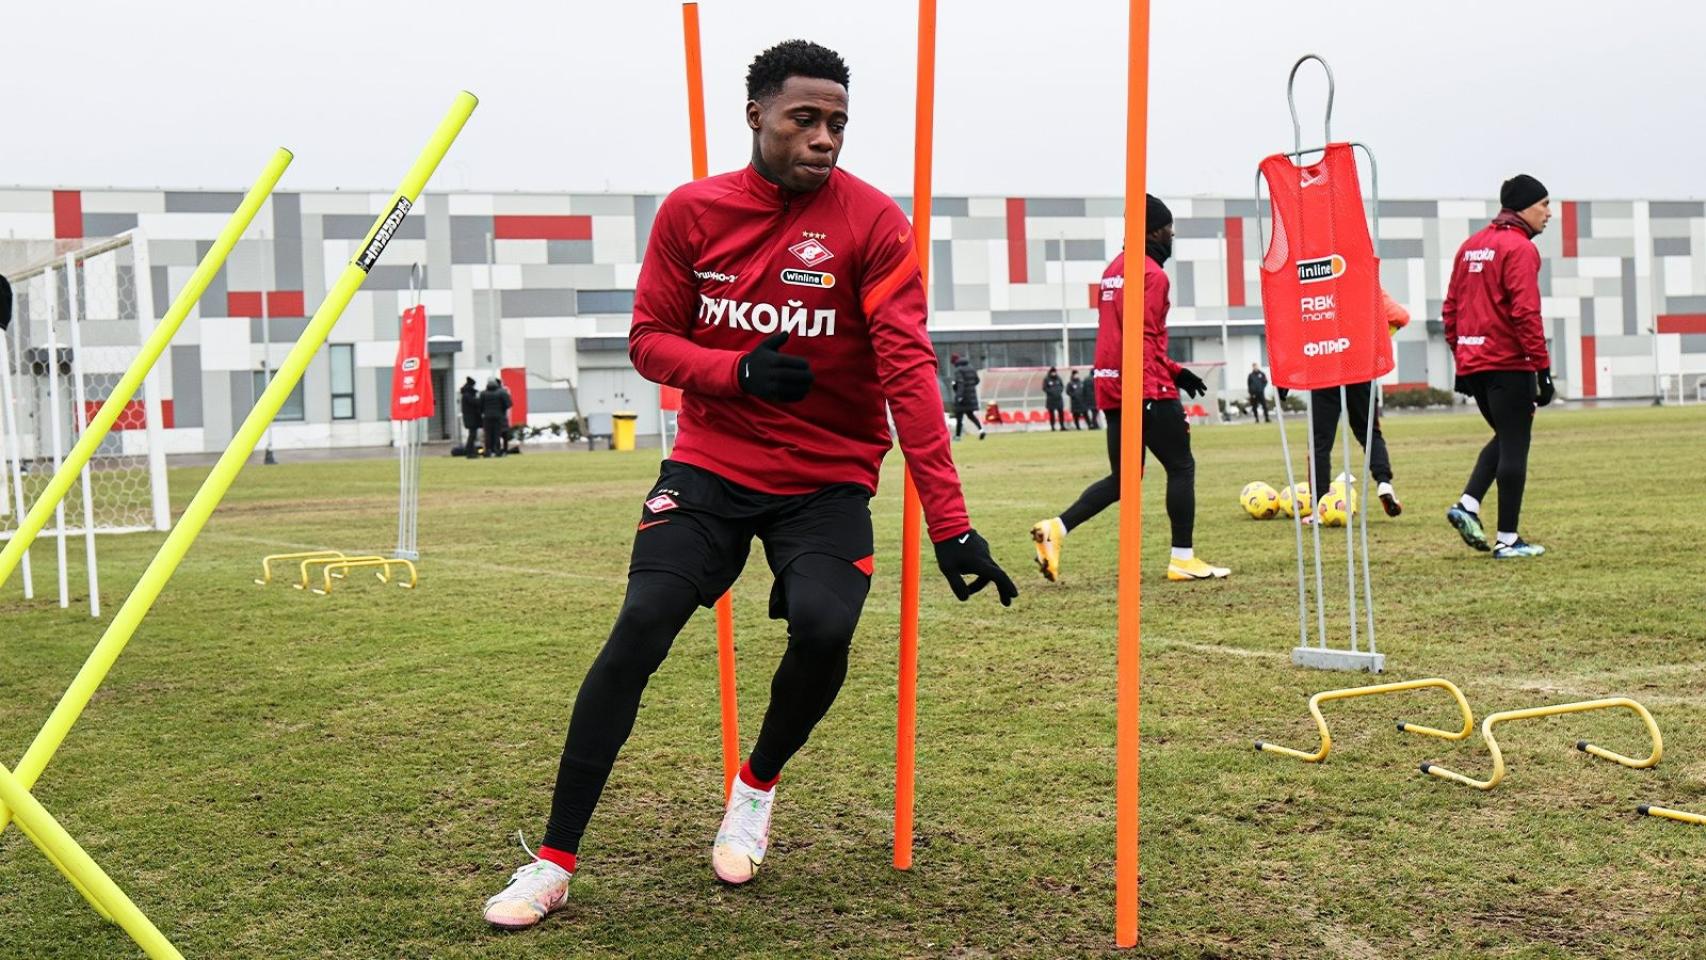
[
  {"x": 1543, "y": 395},
  {"x": 967, "y": 555},
  {"x": 768, "y": 374},
  {"x": 1190, "y": 383},
  {"x": 5, "y": 304}
]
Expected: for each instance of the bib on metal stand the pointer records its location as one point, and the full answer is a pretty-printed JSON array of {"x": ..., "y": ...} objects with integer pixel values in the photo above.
[{"x": 1321, "y": 306}]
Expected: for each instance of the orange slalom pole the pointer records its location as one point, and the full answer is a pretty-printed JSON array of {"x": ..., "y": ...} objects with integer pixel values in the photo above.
[
  {"x": 1127, "y": 817},
  {"x": 912, "y": 517},
  {"x": 726, "y": 690},
  {"x": 726, "y": 693},
  {"x": 695, "y": 90}
]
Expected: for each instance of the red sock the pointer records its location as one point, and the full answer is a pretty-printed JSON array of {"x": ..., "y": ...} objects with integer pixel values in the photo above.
[
  {"x": 747, "y": 778},
  {"x": 561, "y": 858}
]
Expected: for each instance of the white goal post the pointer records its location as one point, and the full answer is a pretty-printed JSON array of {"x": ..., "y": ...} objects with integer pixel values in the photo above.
[{"x": 80, "y": 317}]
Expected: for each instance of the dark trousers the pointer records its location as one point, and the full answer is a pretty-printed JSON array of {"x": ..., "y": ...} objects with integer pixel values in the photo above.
[
  {"x": 1078, "y": 418},
  {"x": 960, "y": 418},
  {"x": 1095, "y": 419},
  {"x": 472, "y": 447},
  {"x": 494, "y": 427},
  {"x": 1259, "y": 407},
  {"x": 823, "y": 597},
  {"x": 1324, "y": 429},
  {"x": 1167, "y": 434},
  {"x": 1506, "y": 401},
  {"x": 1056, "y": 417}
]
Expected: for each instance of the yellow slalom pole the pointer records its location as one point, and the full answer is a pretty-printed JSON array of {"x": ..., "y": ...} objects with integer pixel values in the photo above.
[
  {"x": 165, "y": 563},
  {"x": 91, "y": 438},
  {"x": 47, "y": 834},
  {"x": 1680, "y": 816}
]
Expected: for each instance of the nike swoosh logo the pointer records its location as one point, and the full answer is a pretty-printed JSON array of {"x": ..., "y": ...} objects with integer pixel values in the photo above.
[
  {"x": 906, "y": 236},
  {"x": 651, "y": 524},
  {"x": 965, "y": 537}
]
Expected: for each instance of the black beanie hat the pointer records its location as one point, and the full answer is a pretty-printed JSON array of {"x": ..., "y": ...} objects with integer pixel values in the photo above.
[
  {"x": 1157, "y": 215},
  {"x": 1521, "y": 192}
]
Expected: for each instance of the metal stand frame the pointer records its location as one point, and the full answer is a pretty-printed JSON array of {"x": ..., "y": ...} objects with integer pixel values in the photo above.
[
  {"x": 409, "y": 463},
  {"x": 1320, "y": 655}
]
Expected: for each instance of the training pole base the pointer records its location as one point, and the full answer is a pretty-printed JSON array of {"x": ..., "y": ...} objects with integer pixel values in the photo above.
[{"x": 1322, "y": 658}]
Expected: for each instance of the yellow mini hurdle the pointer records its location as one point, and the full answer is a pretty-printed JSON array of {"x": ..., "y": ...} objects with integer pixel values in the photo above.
[
  {"x": 1557, "y": 709},
  {"x": 305, "y": 578},
  {"x": 340, "y": 569},
  {"x": 1380, "y": 688},
  {"x": 268, "y": 561}
]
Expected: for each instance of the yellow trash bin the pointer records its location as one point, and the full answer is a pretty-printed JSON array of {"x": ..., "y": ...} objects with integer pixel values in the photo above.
[{"x": 622, "y": 429}]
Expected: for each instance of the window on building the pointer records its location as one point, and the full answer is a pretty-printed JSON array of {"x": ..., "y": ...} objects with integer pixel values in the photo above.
[
  {"x": 1181, "y": 349},
  {"x": 293, "y": 411},
  {"x": 343, "y": 381}
]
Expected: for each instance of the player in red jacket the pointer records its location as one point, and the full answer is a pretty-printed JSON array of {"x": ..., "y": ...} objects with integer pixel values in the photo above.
[
  {"x": 786, "y": 301},
  {"x": 1494, "y": 329},
  {"x": 1166, "y": 432}
]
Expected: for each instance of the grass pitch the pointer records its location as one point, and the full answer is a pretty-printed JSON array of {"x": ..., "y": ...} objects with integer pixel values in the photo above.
[{"x": 272, "y": 774}]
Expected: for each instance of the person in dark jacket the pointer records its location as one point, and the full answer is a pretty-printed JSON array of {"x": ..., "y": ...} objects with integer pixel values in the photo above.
[
  {"x": 1053, "y": 390},
  {"x": 1496, "y": 335},
  {"x": 495, "y": 402},
  {"x": 1257, "y": 384},
  {"x": 1076, "y": 396},
  {"x": 965, "y": 395},
  {"x": 471, "y": 418}
]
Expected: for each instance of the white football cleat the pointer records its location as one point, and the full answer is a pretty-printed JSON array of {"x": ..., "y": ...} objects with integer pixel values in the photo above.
[
  {"x": 744, "y": 835},
  {"x": 533, "y": 892}
]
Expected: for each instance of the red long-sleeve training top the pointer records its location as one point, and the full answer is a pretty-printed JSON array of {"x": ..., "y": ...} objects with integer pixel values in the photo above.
[
  {"x": 1491, "y": 312},
  {"x": 1158, "y": 368},
  {"x": 733, "y": 259}
]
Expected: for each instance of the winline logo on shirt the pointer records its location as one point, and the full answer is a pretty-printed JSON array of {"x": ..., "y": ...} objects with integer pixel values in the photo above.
[
  {"x": 808, "y": 278},
  {"x": 1329, "y": 267}
]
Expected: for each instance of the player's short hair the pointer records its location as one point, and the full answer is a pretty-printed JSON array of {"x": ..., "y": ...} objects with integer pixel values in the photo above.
[{"x": 792, "y": 58}]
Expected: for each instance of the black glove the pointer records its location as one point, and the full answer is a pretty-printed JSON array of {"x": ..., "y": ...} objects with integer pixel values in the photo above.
[
  {"x": 967, "y": 555},
  {"x": 1189, "y": 382},
  {"x": 5, "y": 304},
  {"x": 768, "y": 374},
  {"x": 1543, "y": 395}
]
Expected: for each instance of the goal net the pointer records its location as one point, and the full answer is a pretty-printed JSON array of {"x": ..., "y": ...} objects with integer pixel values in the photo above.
[
  {"x": 1012, "y": 398},
  {"x": 80, "y": 317}
]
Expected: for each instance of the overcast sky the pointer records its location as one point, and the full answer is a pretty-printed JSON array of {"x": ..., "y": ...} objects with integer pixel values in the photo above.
[{"x": 1598, "y": 100}]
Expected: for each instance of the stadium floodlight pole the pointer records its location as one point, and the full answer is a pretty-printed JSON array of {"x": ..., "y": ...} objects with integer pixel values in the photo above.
[
  {"x": 1127, "y": 822},
  {"x": 727, "y": 695},
  {"x": 147, "y": 590},
  {"x": 912, "y": 509},
  {"x": 18, "y": 547}
]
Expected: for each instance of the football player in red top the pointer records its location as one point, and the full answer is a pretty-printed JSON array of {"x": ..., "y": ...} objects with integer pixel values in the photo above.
[
  {"x": 786, "y": 301},
  {"x": 1497, "y": 337},
  {"x": 1166, "y": 432}
]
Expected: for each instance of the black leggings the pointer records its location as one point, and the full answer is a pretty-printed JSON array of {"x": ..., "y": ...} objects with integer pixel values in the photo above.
[
  {"x": 960, "y": 418},
  {"x": 823, "y": 597},
  {"x": 1506, "y": 401},
  {"x": 1056, "y": 418},
  {"x": 1324, "y": 428},
  {"x": 1167, "y": 434}
]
